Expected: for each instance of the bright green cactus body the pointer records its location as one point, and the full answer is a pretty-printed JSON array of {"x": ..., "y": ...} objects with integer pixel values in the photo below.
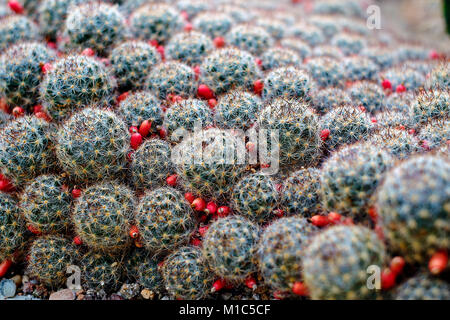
[
  {"x": 280, "y": 251},
  {"x": 328, "y": 99},
  {"x": 92, "y": 145},
  {"x": 17, "y": 28},
  {"x": 228, "y": 69},
  {"x": 164, "y": 219},
  {"x": 47, "y": 204},
  {"x": 423, "y": 287},
  {"x": 172, "y": 78},
  {"x": 435, "y": 134},
  {"x": 210, "y": 163},
  {"x": 140, "y": 106},
  {"x": 229, "y": 247},
  {"x": 155, "y": 21},
  {"x": 350, "y": 176},
  {"x": 95, "y": 25},
  {"x": 399, "y": 143},
  {"x": 430, "y": 105},
  {"x": 360, "y": 68},
  {"x": 279, "y": 57},
  {"x": 327, "y": 72},
  {"x": 237, "y": 110},
  {"x": 349, "y": 44},
  {"x": 301, "y": 47},
  {"x": 132, "y": 62},
  {"x": 21, "y": 74},
  {"x": 186, "y": 274},
  {"x": 103, "y": 216},
  {"x": 335, "y": 263},
  {"x": 252, "y": 39},
  {"x": 49, "y": 260},
  {"x": 255, "y": 197},
  {"x": 301, "y": 193},
  {"x": 183, "y": 116},
  {"x": 413, "y": 206},
  {"x": 307, "y": 32},
  {"x": 12, "y": 227},
  {"x": 215, "y": 24},
  {"x": 368, "y": 95},
  {"x": 189, "y": 47},
  {"x": 151, "y": 164},
  {"x": 73, "y": 83},
  {"x": 101, "y": 271},
  {"x": 287, "y": 82},
  {"x": 297, "y": 126},
  {"x": 26, "y": 149}
]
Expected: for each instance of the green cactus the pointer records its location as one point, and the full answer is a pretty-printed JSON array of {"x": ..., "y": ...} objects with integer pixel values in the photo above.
[
  {"x": 92, "y": 145},
  {"x": 287, "y": 82},
  {"x": 327, "y": 72},
  {"x": 383, "y": 57},
  {"x": 411, "y": 79},
  {"x": 214, "y": 24},
  {"x": 423, "y": 287},
  {"x": 435, "y": 134},
  {"x": 393, "y": 119},
  {"x": 189, "y": 47},
  {"x": 301, "y": 47},
  {"x": 430, "y": 105},
  {"x": 149, "y": 275},
  {"x": 399, "y": 143},
  {"x": 326, "y": 100},
  {"x": 250, "y": 38},
  {"x": 349, "y": 44},
  {"x": 279, "y": 57},
  {"x": 17, "y": 28},
  {"x": 5, "y": 118},
  {"x": 335, "y": 263},
  {"x": 368, "y": 95},
  {"x": 12, "y": 227},
  {"x": 439, "y": 77},
  {"x": 192, "y": 7},
  {"x": 101, "y": 271},
  {"x": 275, "y": 27},
  {"x": 281, "y": 251},
  {"x": 360, "y": 68},
  {"x": 327, "y": 51},
  {"x": 413, "y": 205},
  {"x": 140, "y": 106},
  {"x": 307, "y": 32},
  {"x": 399, "y": 102},
  {"x": 329, "y": 25}
]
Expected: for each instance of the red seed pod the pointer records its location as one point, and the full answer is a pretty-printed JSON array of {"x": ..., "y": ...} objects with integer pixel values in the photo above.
[
  {"x": 145, "y": 128},
  {"x": 334, "y": 218},
  {"x": 438, "y": 262},
  {"x": 184, "y": 15},
  {"x": 362, "y": 108},
  {"x": 161, "y": 52},
  {"x": 397, "y": 264},
  {"x": 52, "y": 45},
  {"x": 5, "y": 184},
  {"x": 153, "y": 43},
  {"x": 279, "y": 213},
  {"x": 88, "y": 52},
  {"x": 211, "y": 208},
  {"x": 219, "y": 42},
  {"x": 218, "y": 285},
  {"x": 136, "y": 140},
  {"x": 33, "y": 230},
  {"x": 387, "y": 279},
  {"x": 319, "y": 220},
  {"x": 250, "y": 282},
  {"x": 18, "y": 112},
  {"x": 189, "y": 197},
  {"x": 199, "y": 204},
  {"x": 258, "y": 61},
  {"x": 188, "y": 27},
  {"x": 400, "y": 88},
  {"x": 46, "y": 67},
  {"x": 172, "y": 180},
  {"x": 38, "y": 108},
  {"x": 373, "y": 120},
  {"x": 16, "y": 6},
  {"x": 76, "y": 193},
  {"x": 77, "y": 240},
  {"x": 122, "y": 97},
  {"x": 223, "y": 211},
  {"x": 162, "y": 133},
  {"x": 196, "y": 71},
  {"x": 300, "y": 289},
  {"x": 196, "y": 242},
  {"x": 205, "y": 92},
  {"x": 4, "y": 267},
  {"x": 386, "y": 84},
  {"x": 434, "y": 55},
  {"x": 324, "y": 134},
  {"x": 212, "y": 103},
  {"x": 42, "y": 115},
  {"x": 258, "y": 87},
  {"x": 134, "y": 232},
  {"x": 202, "y": 230}
]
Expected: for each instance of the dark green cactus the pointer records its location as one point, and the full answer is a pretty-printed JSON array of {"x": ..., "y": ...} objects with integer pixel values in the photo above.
[
  {"x": 330, "y": 98},
  {"x": 189, "y": 47},
  {"x": 250, "y": 38},
  {"x": 360, "y": 68},
  {"x": 430, "y": 105},
  {"x": 287, "y": 82},
  {"x": 17, "y": 28},
  {"x": 435, "y": 134},
  {"x": 368, "y": 95},
  {"x": 423, "y": 287},
  {"x": 349, "y": 44},
  {"x": 279, "y": 57},
  {"x": 399, "y": 143},
  {"x": 327, "y": 72},
  {"x": 215, "y": 24},
  {"x": 101, "y": 271},
  {"x": 140, "y": 106},
  {"x": 149, "y": 275}
]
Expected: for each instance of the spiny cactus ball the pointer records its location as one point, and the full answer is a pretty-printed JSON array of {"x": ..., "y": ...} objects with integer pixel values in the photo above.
[
  {"x": 307, "y": 32},
  {"x": 279, "y": 57},
  {"x": 250, "y": 38},
  {"x": 12, "y": 227},
  {"x": 132, "y": 262},
  {"x": 210, "y": 162},
  {"x": 186, "y": 274},
  {"x": 100, "y": 271},
  {"x": 439, "y": 77},
  {"x": 435, "y": 134},
  {"x": 423, "y": 287},
  {"x": 360, "y": 68},
  {"x": 229, "y": 247},
  {"x": 172, "y": 78},
  {"x": 399, "y": 102},
  {"x": 4, "y": 118},
  {"x": 275, "y": 27},
  {"x": 26, "y": 149},
  {"x": 281, "y": 250},
  {"x": 399, "y": 143},
  {"x": 287, "y": 82},
  {"x": 21, "y": 74},
  {"x": 182, "y": 117},
  {"x": 411, "y": 79},
  {"x": 17, "y": 28},
  {"x": 292, "y": 127},
  {"x": 413, "y": 205},
  {"x": 327, "y": 23},
  {"x": 155, "y": 21},
  {"x": 228, "y": 69},
  {"x": 132, "y": 62},
  {"x": 368, "y": 95},
  {"x": 49, "y": 259},
  {"x": 93, "y": 144},
  {"x": 149, "y": 276},
  {"x": 237, "y": 110},
  {"x": 95, "y": 25},
  {"x": 301, "y": 193},
  {"x": 330, "y": 98},
  {"x": 46, "y": 204},
  {"x": 350, "y": 176},
  {"x": 192, "y": 7},
  {"x": 327, "y": 51},
  {"x": 393, "y": 119},
  {"x": 383, "y": 57},
  {"x": 255, "y": 197},
  {"x": 214, "y": 24},
  {"x": 73, "y": 83},
  {"x": 297, "y": 45},
  {"x": 164, "y": 219},
  {"x": 103, "y": 216},
  {"x": 327, "y": 72},
  {"x": 189, "y": 47},
  {"x": 140, "y": 106},
  {"x": 349, "y": 44},
  {"x": 151, "y": 164},
  {"x": 335, "y": 263},
  {"x": 430, "y": 105}
]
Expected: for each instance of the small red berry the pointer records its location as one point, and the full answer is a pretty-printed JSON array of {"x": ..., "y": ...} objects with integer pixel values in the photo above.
[
  {"x": 250, "y": 282},
  {"x": 362, "y": 108},
  {"x": 434, "y": 55},
  {"x": 189, "y": 197},
  {"x": 219, "y": 42},
  {"x": 18, "y": 112},
  {"x": 373, "y": 120},
  {"x": 184, "y": 15},
  {"x": 373, "y": 214},
  {"x": 88, "y": 52},
  {"x": 16, "y": 6},
  {"x": 196, "y": 242},
  {"x": 386, "y": 84},
  {"x": 212, "y": 103},
  {"x": 76, "y": 193},
  {"x": 211, "y": 208},
  {"x": 202, "y": 230},
  {"x": 412, "y": 131},
  {"x": 52, "y": 45},
  {"x": 42, "y": 115},
  {"x": 38, "y": 108},
  {"x": 133, "y": 130},
  {"x": 136, "y": 140},
  {"x": 258, "y": 61},
  {"x": 258, "y": 87},
  {"x": 279, "y": 213},
  {"x": 46, "y": 67},
  {"x": 122, "y": 97},
  {"x": 324, "y": 134},
  {"x": 172, "y": 180},
  {"x": 438, "y": 262},
  {"x": 205, "y": 92},
  {"x": 33, "y": 230},
  {"x": 77, "y": 240},
  {"x": 188, "y": 27},
  {"x": 300, "y": 289},
  {"x": 218, "y": 285},
  {"x": 134, "y": 232},
  {"x": 197, "y": 72},
  {"x": 334, "y": 217},
  {"x": 199, "y": 204},
  {"x": 161, "y": 51},
  {"x": 4, "y": 267},
  {"x": 278, "y": 295},
  {"x": 397, "y": 264},
  {"x": 145, "y": 128},
  {"x": 387, "y": 279},
  {"x": 400, "y": 88},
  {"x": 223, "y": 211},
  {"x": 162, "y": 133},
  {"x": 5, "y": 184},
  {"x": 319, "y": 220},
  {"x": 154, "y": 43}
]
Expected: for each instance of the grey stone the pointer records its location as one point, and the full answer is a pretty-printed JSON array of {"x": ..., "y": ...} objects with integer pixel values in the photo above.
[{"x": 65, "y": 294}]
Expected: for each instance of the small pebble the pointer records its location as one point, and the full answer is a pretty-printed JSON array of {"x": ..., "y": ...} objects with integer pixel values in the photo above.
[
  {"x": 65, "y": 294},
  {"x": 7, "y": 288}
]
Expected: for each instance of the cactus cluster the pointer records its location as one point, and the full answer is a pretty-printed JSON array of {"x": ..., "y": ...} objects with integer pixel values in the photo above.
[
  {"x": 12, "y": 226},
  {"x": 214, "y": 24},
  {"x": 368, "y": 95},
  {"x": 423, "y": 287},
  {"x": 327, "y": 72},
  {"x": 399, "y": 143},
  {"x": 360, "y": 68},
  {"x": 252, "y": 39},
  {"x": 101, "y": 271},
  {"x": 279, "y": 57},
  {"x": 430, "y": 105},
  {"x": 16, "y": 28},
  {"x": 287, "y": 82},
  {"x": 328, "y": 99},
  {"x": 189, "y": 47},
  {"x": 140, "y": 106}
]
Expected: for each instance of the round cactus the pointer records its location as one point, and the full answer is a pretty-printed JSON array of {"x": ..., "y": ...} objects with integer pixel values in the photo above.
[
  {"x": 300, "y": 47},
  {"x": 214, "y": 24},
  {"x": 287, "y": 82},
  {"x": 164, "y": 219},
  {"x": 189, "y": 47},
  {"x": 255, "y": 197},
  {"x": 411, "y": 52},
  {"x": 46, "y": 204},
  {"x": 101, "y": 271},
  {"x": 413, "y": 205},
  {"x": 183, "y": 116},
  {"x": 74, "y": 82},
  {"x": 237, "y": 110},
  {"x": 400, "y": 102},
  {"x": 93, "y": 144},
  {"x": 327, "y": 72},
  {"x": 227, "y": 69},
  {"x": 325, "y": 100},
  {"x": 151, "y": 164},
  {"x": 327, "y": 23},
  {"x": 327, "y": 51},
  {"x": 368, "y": 95},
  {"x": 186, "y": 274},
  {"x": 279, "y": 57},
  {"x": 301, "y": 193},
  {"x": 435, "y": 134},
  {"x": 280, "y": 251},
  {"x": 140, "y": 106},
  {"x": 95, "y": 25},
  {"x": 409, "y": 78},
  {"x": 26, "y": 149},
  {"x": 172, "y": 78},
  {"x": 430, "y": 105},
  {"x": 49, "y": 259},
  {"x": 21, "y": 74},
  {"x": 210, "y": 163},
  {"x": 250, "y": 38},
  {"x": 12, "y": 227},
  {"x": 229, "y": 247},
  {"x": 439, "y": 77},
  {"x": 275, "y": 27},
  {"x": 307, "y": 32},
  {"x": 5, "y": 118},
  {"x": 133, "y": 261},
  {"x": 155, "y": 21},
  {"x": 393, "y": 119},
  {"x": 298, "y": 140},
  {"x": 132, "y": 62},
  {"x": 383, "y": 57},
  {"x": 16, "y": 28},
  {"x": 350, "y": 177},
  {"x": 341, "y": 256},
  {"x": 422, "y": 287},
  {"x": 349, "y": 44},
  {"x": 360, "y": 68},
  {"x": 399, "y": 143},
  {"x": 192, "y": 7},
  {"x": 149, "y": 276}
]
